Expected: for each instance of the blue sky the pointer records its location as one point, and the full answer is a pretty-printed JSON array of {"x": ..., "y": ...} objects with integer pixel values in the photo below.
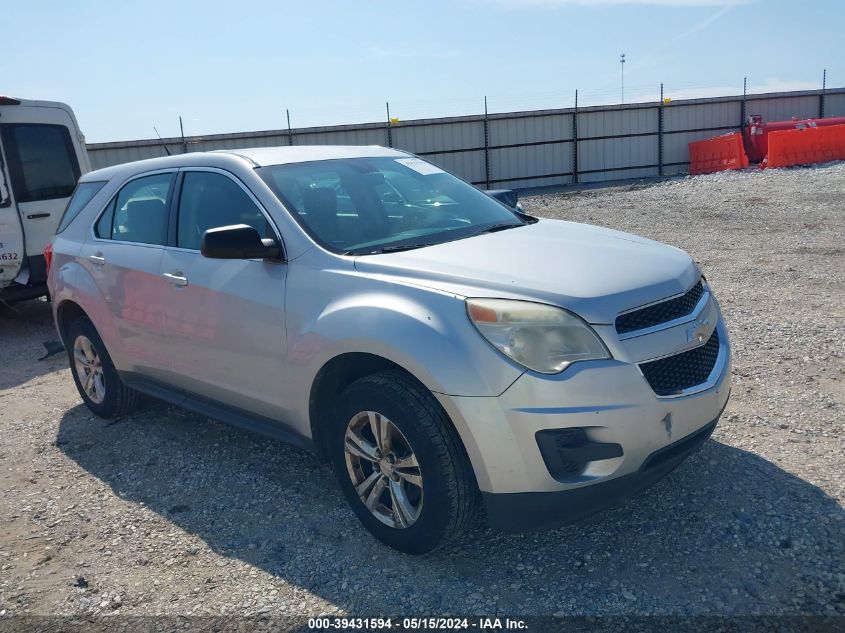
[{"x": 230, "y": 67}]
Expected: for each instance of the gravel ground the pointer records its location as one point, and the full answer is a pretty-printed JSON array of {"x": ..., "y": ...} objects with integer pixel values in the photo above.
[{"x": 165, "y": 512}]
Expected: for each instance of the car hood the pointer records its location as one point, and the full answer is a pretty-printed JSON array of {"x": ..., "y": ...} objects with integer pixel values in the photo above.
[{"x": 592, "y": 271}]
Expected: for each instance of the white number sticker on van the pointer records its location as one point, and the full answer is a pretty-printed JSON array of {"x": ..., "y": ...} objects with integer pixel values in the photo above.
[{"x": 419, "y": 166}]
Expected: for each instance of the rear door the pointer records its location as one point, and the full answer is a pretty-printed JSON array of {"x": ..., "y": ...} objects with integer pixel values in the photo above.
[
  {"x": 225, "y": 318},
  {"x": 123, "y": 255},
  {"x": 44, "y": 159}
]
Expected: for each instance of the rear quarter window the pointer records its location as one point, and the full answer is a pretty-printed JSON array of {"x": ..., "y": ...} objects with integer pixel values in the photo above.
[
  {"x": 81, "y": 196},
  {"x": 41, "y": 159}
]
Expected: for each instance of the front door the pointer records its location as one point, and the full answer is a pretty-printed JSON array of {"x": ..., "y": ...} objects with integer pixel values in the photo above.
[{"x": 225, "y": 318}]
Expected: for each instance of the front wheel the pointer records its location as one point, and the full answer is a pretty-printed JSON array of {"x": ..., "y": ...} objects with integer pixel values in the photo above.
[{"x": 400, "y": 464}]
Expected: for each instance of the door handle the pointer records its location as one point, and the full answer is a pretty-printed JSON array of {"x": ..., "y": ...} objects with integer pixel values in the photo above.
[
  {"x": 177, "y": 278},
  {"x": 97, "y": 258}
]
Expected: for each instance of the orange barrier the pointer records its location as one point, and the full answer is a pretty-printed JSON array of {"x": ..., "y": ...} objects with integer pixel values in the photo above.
[
  {"x": 804, "y": 146},
  {"x": 717, "y": 154}
]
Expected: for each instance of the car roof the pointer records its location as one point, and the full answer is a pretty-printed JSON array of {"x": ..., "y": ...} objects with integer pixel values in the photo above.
[{"x": 254, "y": 156}]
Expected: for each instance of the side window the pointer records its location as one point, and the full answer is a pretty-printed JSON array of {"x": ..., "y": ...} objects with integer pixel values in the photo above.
[
  {"x": 103, "y": 227},
  {"x": 82, "y": 196},
  {"x": 139, "y": 211},
  {"x": 42, "y": 161},
  {"x": 210, "y": 200}
]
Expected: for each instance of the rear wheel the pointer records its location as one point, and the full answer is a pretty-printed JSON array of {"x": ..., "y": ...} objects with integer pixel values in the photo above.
[
  {"x": 400, "y": 463},
  {"x": 96, "y": 379}
]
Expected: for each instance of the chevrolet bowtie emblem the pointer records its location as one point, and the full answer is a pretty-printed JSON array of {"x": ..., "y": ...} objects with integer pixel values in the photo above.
[{"x": 699, "y": 331}]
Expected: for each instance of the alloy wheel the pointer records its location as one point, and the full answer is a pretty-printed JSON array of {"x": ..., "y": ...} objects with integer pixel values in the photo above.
[
  {"x": 383, "y": 469},
  {"x": 89, "y": 369}
]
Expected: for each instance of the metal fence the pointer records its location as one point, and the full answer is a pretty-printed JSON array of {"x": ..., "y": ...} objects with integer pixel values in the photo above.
[{"x": 530, "y": 149}]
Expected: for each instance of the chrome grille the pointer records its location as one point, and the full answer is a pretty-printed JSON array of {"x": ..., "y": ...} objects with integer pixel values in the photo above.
[
  {"x": 660, "y": 312},
  {"x": 672, "y": 375}
]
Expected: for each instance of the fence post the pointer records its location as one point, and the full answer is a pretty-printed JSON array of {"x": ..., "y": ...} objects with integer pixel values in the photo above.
[
  {"x": 821, "y": 94},
  {"x": 290, "y": 132},
  {"x": 575, "y": 142},
  {"x": 742, "y": 107},
  {"x": 182, "y": 133},
  {"x": 660, "y": 134},
  {"x": 486, "y": 145},
  {"x": 389, "y": 131}
]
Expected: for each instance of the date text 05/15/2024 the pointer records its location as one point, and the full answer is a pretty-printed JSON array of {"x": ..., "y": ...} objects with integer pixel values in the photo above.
[{"x": 423, "y": 623}]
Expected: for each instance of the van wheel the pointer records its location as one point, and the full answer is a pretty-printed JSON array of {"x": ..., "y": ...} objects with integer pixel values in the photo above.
[
  {"x": 400, "y": 464},
  {"x": 96, "y": 379}
]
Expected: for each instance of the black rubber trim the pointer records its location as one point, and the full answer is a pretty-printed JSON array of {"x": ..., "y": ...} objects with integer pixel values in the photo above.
[
  {"x": 217, "y": 411},
  {"x": 591, "y": 452},
  {"x": 681, "y": 448},
  {"x": 566, "y": 455},
  {"x": 524, "y": 511},
  {"x": 37, "y": 270},
  {"x": 16, "y": 292},
  {"x": 35, "y": 287}
]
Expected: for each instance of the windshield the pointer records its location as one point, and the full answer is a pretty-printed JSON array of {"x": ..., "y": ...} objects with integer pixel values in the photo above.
[{"x": 359, "y": 206}]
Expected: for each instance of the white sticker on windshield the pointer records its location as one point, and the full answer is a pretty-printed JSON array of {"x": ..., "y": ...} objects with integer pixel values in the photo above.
[{"x": 420, "y": 166}]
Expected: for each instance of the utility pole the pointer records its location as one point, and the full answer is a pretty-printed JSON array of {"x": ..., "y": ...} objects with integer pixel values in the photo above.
[{"x": 622, "y": 63}]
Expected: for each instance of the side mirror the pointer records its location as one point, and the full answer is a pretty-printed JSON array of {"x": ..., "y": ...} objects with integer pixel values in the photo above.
[
  {"x": 238, "y": 241},
  {"x": 508, "y": 197}
]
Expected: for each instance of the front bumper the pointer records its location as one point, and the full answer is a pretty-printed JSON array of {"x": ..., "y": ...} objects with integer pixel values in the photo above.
[
  {"x": 517, "y": 512},
  {"x": 611, "y": 405}
]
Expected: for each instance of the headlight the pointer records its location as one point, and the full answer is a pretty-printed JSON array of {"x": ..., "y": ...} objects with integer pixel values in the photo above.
[{"x": 540, "y": 337}]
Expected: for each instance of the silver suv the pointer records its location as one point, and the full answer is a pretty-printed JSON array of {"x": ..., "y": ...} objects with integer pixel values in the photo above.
[{"x": 443, "y": 350}]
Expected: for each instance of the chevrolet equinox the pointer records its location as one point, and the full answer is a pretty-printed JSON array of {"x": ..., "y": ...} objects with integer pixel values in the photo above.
[{"x": 445, "y": 351}]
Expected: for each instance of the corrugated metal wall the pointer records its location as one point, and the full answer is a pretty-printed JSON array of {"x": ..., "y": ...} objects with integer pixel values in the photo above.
[
  {"x": 533, "y": 150},
  {"x": 530, "y": 149},
  {"x": 834, "y": 104}
]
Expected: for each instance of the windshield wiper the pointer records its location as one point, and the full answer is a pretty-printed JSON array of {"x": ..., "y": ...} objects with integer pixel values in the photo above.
[
  {"x": 398, "y": 248},
  {"x": 385, "y": 249},
  {"x": 493, "y": 228},
  {"x": 401, "y": 247}
]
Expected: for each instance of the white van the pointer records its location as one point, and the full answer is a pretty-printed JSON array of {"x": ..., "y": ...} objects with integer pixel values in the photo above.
[{"x": 42, "y": 155}]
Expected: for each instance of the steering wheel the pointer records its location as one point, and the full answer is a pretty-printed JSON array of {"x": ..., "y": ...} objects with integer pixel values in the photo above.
[
  {"x": 421, "y": 219},
  {"x": 411, "y": 220}
]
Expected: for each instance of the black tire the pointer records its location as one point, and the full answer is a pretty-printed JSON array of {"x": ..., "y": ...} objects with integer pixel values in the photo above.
[
  {"x": 118, "y": 399},
  {"x": 450, "y": 494}
]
